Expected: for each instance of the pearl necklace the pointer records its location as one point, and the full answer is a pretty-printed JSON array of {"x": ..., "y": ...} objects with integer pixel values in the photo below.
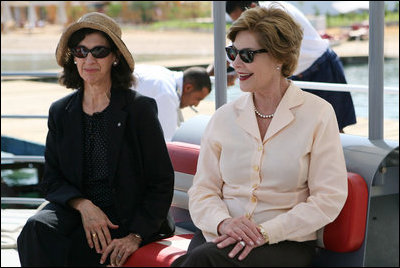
[{"x": 264, "y": 116}]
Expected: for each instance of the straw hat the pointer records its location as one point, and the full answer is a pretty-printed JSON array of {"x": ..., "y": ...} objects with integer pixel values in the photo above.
[{"x": 97, "y": 21}]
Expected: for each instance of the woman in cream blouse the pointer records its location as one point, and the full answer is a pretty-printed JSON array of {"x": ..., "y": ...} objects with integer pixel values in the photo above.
[{"x": 271, "y": 170}]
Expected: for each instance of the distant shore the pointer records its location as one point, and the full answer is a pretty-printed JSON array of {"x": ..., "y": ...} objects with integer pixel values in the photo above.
[
  {"x": 190, "y": 47},
  {"x": 193, "y": 48}
]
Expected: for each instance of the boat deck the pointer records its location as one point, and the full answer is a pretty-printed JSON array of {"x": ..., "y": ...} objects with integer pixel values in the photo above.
[{"x": 12, "y": 221}]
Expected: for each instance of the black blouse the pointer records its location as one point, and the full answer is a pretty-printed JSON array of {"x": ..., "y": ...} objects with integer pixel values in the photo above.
[{"x": 96, "y": 171}]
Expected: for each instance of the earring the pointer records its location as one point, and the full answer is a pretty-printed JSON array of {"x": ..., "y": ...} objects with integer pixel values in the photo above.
[
  {"x": 75, "y": 62},
  {"x": 115, "y": 63},
  {"x": 278, "y": 67}
]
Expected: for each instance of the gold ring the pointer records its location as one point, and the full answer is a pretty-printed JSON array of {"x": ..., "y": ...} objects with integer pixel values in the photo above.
[
  {"x": 242, "y": 243},
  {"x": 94, "y": 235}
]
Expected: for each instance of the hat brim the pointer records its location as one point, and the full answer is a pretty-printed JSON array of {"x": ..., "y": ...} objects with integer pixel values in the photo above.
[{"x": 62, "y": 51}]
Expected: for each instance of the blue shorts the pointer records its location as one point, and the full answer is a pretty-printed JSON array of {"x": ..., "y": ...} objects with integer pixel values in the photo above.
[{"x": 328, "y": 68}]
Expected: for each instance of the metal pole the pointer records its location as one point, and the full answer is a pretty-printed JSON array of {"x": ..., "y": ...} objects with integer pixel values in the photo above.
[
  {"x": 375, "y": 69},
  {"x": 219, "y": 53}
]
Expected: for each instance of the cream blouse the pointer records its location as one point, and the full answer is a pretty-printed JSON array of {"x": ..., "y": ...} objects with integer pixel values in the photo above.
[{"x": 293, "y": 182}]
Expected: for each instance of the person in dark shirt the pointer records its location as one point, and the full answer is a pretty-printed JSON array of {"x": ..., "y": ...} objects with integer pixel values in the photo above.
[{"x": 108, "y": 176}]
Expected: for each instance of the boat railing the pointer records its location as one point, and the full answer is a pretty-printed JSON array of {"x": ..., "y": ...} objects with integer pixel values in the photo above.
[
  {"x": 22, "y": 159},
  {"x": 301, "y": 84},
  {"x": 23, "y": 116},
  {"x": 27, "y": 75},
  {"x": 22, "y": 200}
]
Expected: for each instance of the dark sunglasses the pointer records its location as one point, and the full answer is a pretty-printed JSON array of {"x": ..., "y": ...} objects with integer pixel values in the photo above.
[
  {"x": 97, "y": 52},
  {"x": 246, "y": 55}
]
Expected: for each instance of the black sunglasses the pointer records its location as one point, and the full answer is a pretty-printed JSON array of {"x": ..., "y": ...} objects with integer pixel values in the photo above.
[
  {"x": 246, "y": 55},
  {"x": 97, "y": 52}
]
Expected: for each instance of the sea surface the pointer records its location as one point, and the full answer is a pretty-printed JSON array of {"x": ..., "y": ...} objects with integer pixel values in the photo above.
[{"x": 356, "y": 74}]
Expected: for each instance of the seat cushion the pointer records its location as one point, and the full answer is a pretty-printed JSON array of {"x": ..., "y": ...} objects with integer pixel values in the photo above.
[
  {"x": 161, "y": 253},
  {"x": 346, "y": 233},
  {"x": 184, "y": 156}
]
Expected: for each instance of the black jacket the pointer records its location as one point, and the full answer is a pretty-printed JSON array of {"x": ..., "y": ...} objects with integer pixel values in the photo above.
[{"x": 142, "y": 177}]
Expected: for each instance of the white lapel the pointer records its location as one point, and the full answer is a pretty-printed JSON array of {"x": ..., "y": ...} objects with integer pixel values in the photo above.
[{"x": 283, "y": 115}]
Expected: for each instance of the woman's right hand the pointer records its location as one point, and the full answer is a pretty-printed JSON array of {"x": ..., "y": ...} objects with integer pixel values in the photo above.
[{"x": 95, "y": 223}]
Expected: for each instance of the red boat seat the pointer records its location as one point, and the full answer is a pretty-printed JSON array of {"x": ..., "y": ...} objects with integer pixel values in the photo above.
[
  {"x": 345, "y": 234},
  {"x": 161, "y": 253},
  {"x": 184, "y": 156}
]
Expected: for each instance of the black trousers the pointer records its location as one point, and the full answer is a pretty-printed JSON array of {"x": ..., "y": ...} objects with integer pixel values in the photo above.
[
  {"x": 284, "y": 254},
  {"x": 55, "y": 237}
]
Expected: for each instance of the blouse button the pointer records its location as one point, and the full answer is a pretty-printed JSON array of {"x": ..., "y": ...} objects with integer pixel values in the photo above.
[
  {"x": 256, "y": 168},
  {"x": 260, "y": 148},
  {"x": 255, "y": 186},
  {"x": 253, "y": 199}
]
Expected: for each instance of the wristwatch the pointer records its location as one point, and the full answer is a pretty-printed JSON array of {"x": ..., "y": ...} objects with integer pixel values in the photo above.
[
  {"x": 138, "y": 237},
  {"x": 264, "y": 233}
]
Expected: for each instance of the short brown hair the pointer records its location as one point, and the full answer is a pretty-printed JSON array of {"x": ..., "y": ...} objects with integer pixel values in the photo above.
[
  {"x": 198, "y": 77},
  {"x": 276, "y": 32}
]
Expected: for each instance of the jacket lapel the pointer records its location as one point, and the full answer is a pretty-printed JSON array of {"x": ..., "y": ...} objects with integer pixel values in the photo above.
[
  {"x": 117, "y": 128},
  {"x": 246, "y": 118},
  {"x": 283, "y": 114},
  {"x": 73, "y": 144}
]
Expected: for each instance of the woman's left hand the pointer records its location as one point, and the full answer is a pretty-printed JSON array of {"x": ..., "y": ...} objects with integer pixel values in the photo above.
[
  {"x": 120, "y": 249},
  {"x": 241, "y": 228},
  {"x": 225, "y": 240}
]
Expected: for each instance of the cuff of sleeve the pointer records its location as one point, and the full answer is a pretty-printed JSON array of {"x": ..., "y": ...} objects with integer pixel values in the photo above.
[
  {"x": 216, "y": 222},
  {"x": 264, "y": 234},
  {"x": 274, "y": 230}
]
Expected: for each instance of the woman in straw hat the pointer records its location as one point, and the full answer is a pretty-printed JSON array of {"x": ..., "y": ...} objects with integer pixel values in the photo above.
[{"x": 108, "y": 175}]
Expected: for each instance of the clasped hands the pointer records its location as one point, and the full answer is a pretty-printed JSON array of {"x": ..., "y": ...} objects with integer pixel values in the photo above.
[
  {"x": 242, "y": 232},
  {"x": 96, "y": 225}
]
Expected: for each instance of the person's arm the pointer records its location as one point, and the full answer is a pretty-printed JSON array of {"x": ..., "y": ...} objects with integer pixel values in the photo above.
[
  {"x": 167, "y": 114},
  {"x": 158, "y": 173},
  {"x": 327, "y": 184},
  {"x": 55, "y": 186},
  {"x": 206, "y": 191}
]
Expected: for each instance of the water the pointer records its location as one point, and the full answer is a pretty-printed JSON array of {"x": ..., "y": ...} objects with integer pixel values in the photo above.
[
  {"x": 46, "y": 62},
  {"x": 355, "y": 73},
  {"x": 28, "y": 62},
  {"x": 23, "y": 176},
  {"x": 358, "y": 74}
]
